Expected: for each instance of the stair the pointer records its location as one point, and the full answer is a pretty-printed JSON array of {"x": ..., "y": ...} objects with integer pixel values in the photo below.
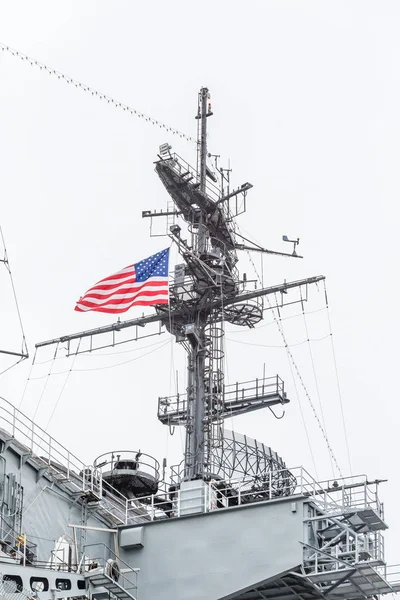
[{"x": 100, "y": 579}]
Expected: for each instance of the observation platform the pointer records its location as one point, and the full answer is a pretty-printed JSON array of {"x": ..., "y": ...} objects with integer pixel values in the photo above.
[
  {"x": 238, "y": 398},
  {"x": 132, "y": 473}
]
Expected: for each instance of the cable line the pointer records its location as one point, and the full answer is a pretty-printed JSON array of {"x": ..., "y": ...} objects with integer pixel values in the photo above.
[
  {"x": 338, "y": 382},
  {"x": 86, "y": 88},
  {"x": 297, "y": 371},
  {"x": 24, "y": 348},
  {"x": 315, "y": 377}
]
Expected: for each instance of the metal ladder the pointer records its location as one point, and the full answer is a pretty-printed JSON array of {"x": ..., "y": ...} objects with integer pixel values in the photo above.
[{"x": 101, "y": 579}]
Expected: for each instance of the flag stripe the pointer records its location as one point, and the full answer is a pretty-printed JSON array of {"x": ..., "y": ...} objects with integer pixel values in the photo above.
[
  {"x": 121, "y": 297},
  {"x": 116, "y": 311},
  {"x": 127, "y": 272},
  {"x": 143, "y": 284},
  {"x": 126, "y": 302},
  {"x": 114, "y": 283},
  {"x": 124, "y": 288}
]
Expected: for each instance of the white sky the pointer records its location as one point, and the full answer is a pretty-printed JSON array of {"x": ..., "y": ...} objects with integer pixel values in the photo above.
[{"x": 305, "y": 98}]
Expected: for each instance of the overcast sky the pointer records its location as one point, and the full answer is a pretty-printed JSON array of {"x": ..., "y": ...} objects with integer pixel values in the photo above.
[{"x": 306, "y": 100}]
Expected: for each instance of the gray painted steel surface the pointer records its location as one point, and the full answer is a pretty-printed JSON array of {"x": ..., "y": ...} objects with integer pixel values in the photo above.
[{"x": 213, "y": 555}]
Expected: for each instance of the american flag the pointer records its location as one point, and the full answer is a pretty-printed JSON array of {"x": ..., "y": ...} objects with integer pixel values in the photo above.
[{"x": 145, "y": 283}]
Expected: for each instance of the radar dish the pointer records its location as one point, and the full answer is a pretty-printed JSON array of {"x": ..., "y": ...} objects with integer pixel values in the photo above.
[{"x": 259, "y": 470}]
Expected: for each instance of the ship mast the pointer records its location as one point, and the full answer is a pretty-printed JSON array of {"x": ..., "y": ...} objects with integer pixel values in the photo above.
[
  {"x": 206, "y": 292},
  {"x": 195, "y": 430}
]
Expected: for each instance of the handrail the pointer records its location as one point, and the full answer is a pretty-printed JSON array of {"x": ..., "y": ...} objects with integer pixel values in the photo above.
[
  {"x": 111, "y": 459},
  {"x": 56, "y": 456},
  {"x": 19, "y": 422},
  {"x": 329, "y": 495},
  {"x": 117, "y": 559},
  {"x": 277, "y": 483}
]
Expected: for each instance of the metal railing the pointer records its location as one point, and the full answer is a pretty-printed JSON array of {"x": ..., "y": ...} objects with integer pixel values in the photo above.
[
  {"x": 235, "y": 393},
  {"x": 119, "y": 459},
  {"x": 392, "y": 574},
  {"x": 63, "y": 465},
  {"x": 257, "y": 388},
  {"x": 38, "y": 441},
  {"x": 330, "y": 496},
  {"x": 100, "y": 555},
  {"x": 350, "y": 550},
  {"x": 278, "y": 483},
  {"x": 180, "y": 166},
  {"x": 342, "y": 493}
]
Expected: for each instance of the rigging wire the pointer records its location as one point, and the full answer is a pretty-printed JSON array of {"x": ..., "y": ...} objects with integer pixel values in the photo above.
[
  {"x": 300, "y": 378},
  {"x": 310, "y": 448},
  {"x": 310, "y": 312},
  {"x": 27, "y": 381},
  {"x": 303, "y": 419},
  {"x": 297, "y": 371},
  {"x": 325, "y": 308},
  {"x": 105, "y": 367},
  {"x": 13, "y": 365},
  {"x": 63, "y": 388},
  {"x": 94, "y": 92},
  {"x": 6, "y": 262},
  {"x": 45, "y": 385},
  {"x": 94, "y": 354},
  {"x": 315, "y": 377},
  {"x": 280, "y": 346},
  {"x": 338, "y": 382}
]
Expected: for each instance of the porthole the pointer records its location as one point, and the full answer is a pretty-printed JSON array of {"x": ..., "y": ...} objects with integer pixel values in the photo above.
[
  {"x": 63, "y": 584},
  {"x": 39, "y": 584},
  {"x": 12, "y": 584}
]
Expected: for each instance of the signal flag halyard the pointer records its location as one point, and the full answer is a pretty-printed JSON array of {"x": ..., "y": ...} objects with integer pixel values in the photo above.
[{"x": 144, "y": 284}]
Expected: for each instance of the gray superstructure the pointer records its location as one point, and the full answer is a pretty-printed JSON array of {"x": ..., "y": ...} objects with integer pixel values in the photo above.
[{"x": 232, "y": 520}]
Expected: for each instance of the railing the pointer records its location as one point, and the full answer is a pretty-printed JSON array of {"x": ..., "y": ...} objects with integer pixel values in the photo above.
[
  {"x": 37, "y": 440},
  {"x": 180, "y": 166},
  {"x": 344, "y": 492},
  {"x": 278, "y": 483},
  {"x": 119, "y": 459},
  {"x": 257, "y": 388},
  {"x": 329, "y": 496},
  {"x": 233, "y": 394},
  {"x": 351, "y": 549},
  {"x": 100, "y": 555},
  {"x": 63, "y": 464},
  {"x": 392, "y": 574}
]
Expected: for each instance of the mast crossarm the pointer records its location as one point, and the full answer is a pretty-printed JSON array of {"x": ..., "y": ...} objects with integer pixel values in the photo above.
[
  {"x": 140, "y": 322},
  {"x": 241, "y": 190},
  {"x": 265, "y": 251},
  {"x": 20, "y": 354},
  {"x": 283, "y": 287},
  {"x": 170, "y": 315}
]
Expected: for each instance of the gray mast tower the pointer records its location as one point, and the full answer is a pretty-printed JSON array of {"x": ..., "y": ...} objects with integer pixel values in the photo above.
[{"x": 207, "y": 291}]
